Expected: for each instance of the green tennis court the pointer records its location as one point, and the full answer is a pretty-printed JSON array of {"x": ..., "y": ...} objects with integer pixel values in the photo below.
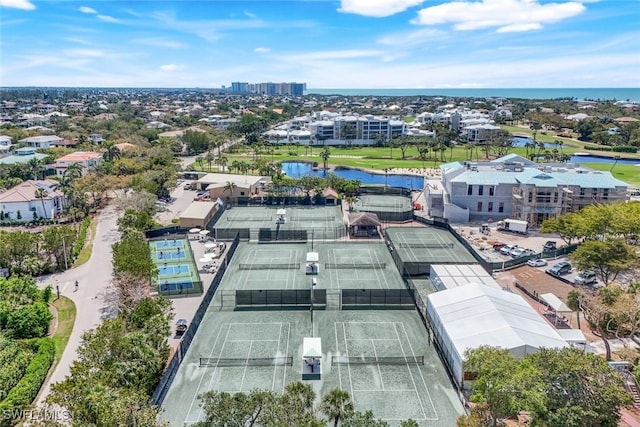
[{"x": 382, "y": 358}]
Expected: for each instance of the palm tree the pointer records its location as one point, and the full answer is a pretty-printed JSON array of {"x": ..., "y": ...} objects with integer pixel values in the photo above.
[
  {"x": 230, "y": 186},
  {"x": 350, "y": 201},
  {"x": 41, "y": 194},
  {"x": 209, "y": 158},
  {"x": 222, "y": 161},
  {"x": 73, "y": 171},
  {"x": 336, "y": 405},
  {"x": 199, "y": 161},
  {"x": 111, "y": 151},
  {"x": 325, "y": 154},
  {"x": 235, "y": 165}
]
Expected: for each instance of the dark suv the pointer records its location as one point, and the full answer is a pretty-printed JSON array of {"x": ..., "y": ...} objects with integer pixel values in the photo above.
[{"x": 560, "y": 268}]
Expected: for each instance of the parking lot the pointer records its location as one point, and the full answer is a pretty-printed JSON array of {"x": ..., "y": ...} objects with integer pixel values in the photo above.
[{"x": 484, "y": 243}]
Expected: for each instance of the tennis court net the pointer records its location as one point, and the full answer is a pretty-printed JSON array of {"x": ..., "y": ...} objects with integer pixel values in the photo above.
[
  {"x": 219, "y": 362},
  {"x": 312, "y": 219},
  {"x": 397, "y": 360},
  {"x": 426, "y": 245},
  {"x": 251, "y": 219},
  {"x": 350, "y": 266},
  {"x": 267, "y": 266}
]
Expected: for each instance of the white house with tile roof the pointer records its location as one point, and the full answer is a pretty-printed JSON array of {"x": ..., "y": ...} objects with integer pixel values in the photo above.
[{"x": 22, "y": 198}]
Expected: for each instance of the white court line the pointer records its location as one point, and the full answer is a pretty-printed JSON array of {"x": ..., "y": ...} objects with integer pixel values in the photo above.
[
  {"x": 335, "y": 330},
  {"x": 273, "y": 383},
  {"x": 244, "y": 372},
  {"x": 388, "y": 391},
  {"x": 195, "y": 395},
  {"x": 346, "y": 351},
  {"x": 251, "y": 340},
  {"x": 373, "y": 339},
  {"x": 424, "y": 413},
  {"x": 424, "y": 383},
  {"x": 384, "y": 277},
  {"x": 284, "y": 379},
  {"x": 375, "y": 353}
]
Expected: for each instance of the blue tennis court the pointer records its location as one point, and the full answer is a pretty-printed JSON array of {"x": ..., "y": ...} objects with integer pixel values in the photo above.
[
  {"x": 169, "y": 243},
  {"x": 169, "y": 255},
  {"x": 173, "y": 270},
  {"x": 174, "y": 285}
]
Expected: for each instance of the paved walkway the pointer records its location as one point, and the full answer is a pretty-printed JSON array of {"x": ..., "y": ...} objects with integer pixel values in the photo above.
[{"x": 93, "y": 277}]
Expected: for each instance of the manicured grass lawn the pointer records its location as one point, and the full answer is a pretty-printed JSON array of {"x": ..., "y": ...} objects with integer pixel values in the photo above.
[
  {"x": 570, "y": 146},
  {"x": 85, "y": 253},
  {"x": 627, "y": 173},
  {"x": 66, "y": 318}
]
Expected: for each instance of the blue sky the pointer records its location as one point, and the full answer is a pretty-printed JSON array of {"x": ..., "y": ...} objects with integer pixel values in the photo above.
[{"x": 327, "y": 44}]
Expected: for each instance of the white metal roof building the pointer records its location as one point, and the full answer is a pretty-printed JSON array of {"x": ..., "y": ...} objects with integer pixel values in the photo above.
[
  {"x": 449, "y": 276},
  {"x": 475, "y": 315}
]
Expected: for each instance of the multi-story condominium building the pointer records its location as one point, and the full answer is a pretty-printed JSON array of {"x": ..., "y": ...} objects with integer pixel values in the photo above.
[
  {"x": 475, "y": 127},
  {"x": 333, "y": 129},
  {"x": 514, "y": 187},
  {"x": 268, "y": 88}
]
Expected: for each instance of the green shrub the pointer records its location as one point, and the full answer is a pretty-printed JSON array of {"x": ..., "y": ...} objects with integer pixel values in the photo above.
[
  {"x": 21, "y": 396},
  {"x": 82, "y": 236}
]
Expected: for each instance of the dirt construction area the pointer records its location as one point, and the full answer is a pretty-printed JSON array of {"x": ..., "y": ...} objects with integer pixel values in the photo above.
[{"x": 483, "y": 243}]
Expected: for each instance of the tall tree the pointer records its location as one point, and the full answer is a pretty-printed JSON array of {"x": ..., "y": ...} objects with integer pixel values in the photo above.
[
  {"x": 324, "y": 155},
  {"x": 607, "y": 258},
  {"x": 41, "y": 194},
  {"x": 336, "y": 405}
]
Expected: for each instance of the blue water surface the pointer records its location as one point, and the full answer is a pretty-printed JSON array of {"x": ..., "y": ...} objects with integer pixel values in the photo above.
[{"x": 300, "y": 169}]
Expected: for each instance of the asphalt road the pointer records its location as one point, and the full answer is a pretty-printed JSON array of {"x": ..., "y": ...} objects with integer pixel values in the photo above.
[{"x": 93, "y": 277}]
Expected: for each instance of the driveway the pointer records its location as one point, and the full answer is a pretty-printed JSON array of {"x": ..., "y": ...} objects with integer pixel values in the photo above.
[{"x": 93, "y": 277}]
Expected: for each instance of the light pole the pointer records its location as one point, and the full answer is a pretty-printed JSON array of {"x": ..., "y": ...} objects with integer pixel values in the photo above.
[
  {"x": 313, "y": 286},
  {"x": 614, "y": 163}
]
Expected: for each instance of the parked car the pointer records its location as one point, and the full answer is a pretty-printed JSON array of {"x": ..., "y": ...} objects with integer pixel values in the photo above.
[
  {"x": 506, "y": 249},
  {"x": 181, "y": 326},
  {"x": 550, "y": 245},
  {"x": 498, "y": 245},
  {"x": 528, "y": 252},
  {"x": 537, "y": 262},
  {"x": 585, "y": 278},
  {"x": 517, "y": 252},
  {"x": 560, "y": 268}
]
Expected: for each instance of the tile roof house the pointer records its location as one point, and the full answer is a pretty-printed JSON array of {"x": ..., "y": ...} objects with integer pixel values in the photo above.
[
  {"x": 23, "y": 199},
  {"x": 86, "y": 159}
]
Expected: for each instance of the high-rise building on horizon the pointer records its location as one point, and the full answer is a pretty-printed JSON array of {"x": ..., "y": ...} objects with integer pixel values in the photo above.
[{"x": 269, "y": 88}]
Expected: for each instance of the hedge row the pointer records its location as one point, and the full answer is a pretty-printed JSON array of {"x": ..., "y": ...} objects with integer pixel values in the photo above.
[
  {"x": 616, "y": 148},
  {"x": 28, "y": 387},
  {"x": 82, "y": 237}
]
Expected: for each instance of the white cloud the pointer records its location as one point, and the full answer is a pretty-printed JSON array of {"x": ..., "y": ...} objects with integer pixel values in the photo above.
[
  {"x": 169, "y": 67},
  {"x": 506, "y": 15},
  {"x": 334, "y": 54},
  {"x": 249, "y": 14},
  {"x": 159, "y": 42},
  {"x": 262, "y": 50},
  {"x": 377, "y": 8},
  {"x": 18, "y": 4},
  {"x": 412, "y": 38},
  {"x": 87, "y": 9},
  {"x": 84, "y": 53},
  {"x": 107, "y": 18}
]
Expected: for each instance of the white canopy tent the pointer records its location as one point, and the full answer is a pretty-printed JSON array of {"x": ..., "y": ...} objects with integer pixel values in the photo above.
[
  {"x": 555, "y": 303},
  {"x": 312, "y": 348},
  {"x": 473, "y": 315}
]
